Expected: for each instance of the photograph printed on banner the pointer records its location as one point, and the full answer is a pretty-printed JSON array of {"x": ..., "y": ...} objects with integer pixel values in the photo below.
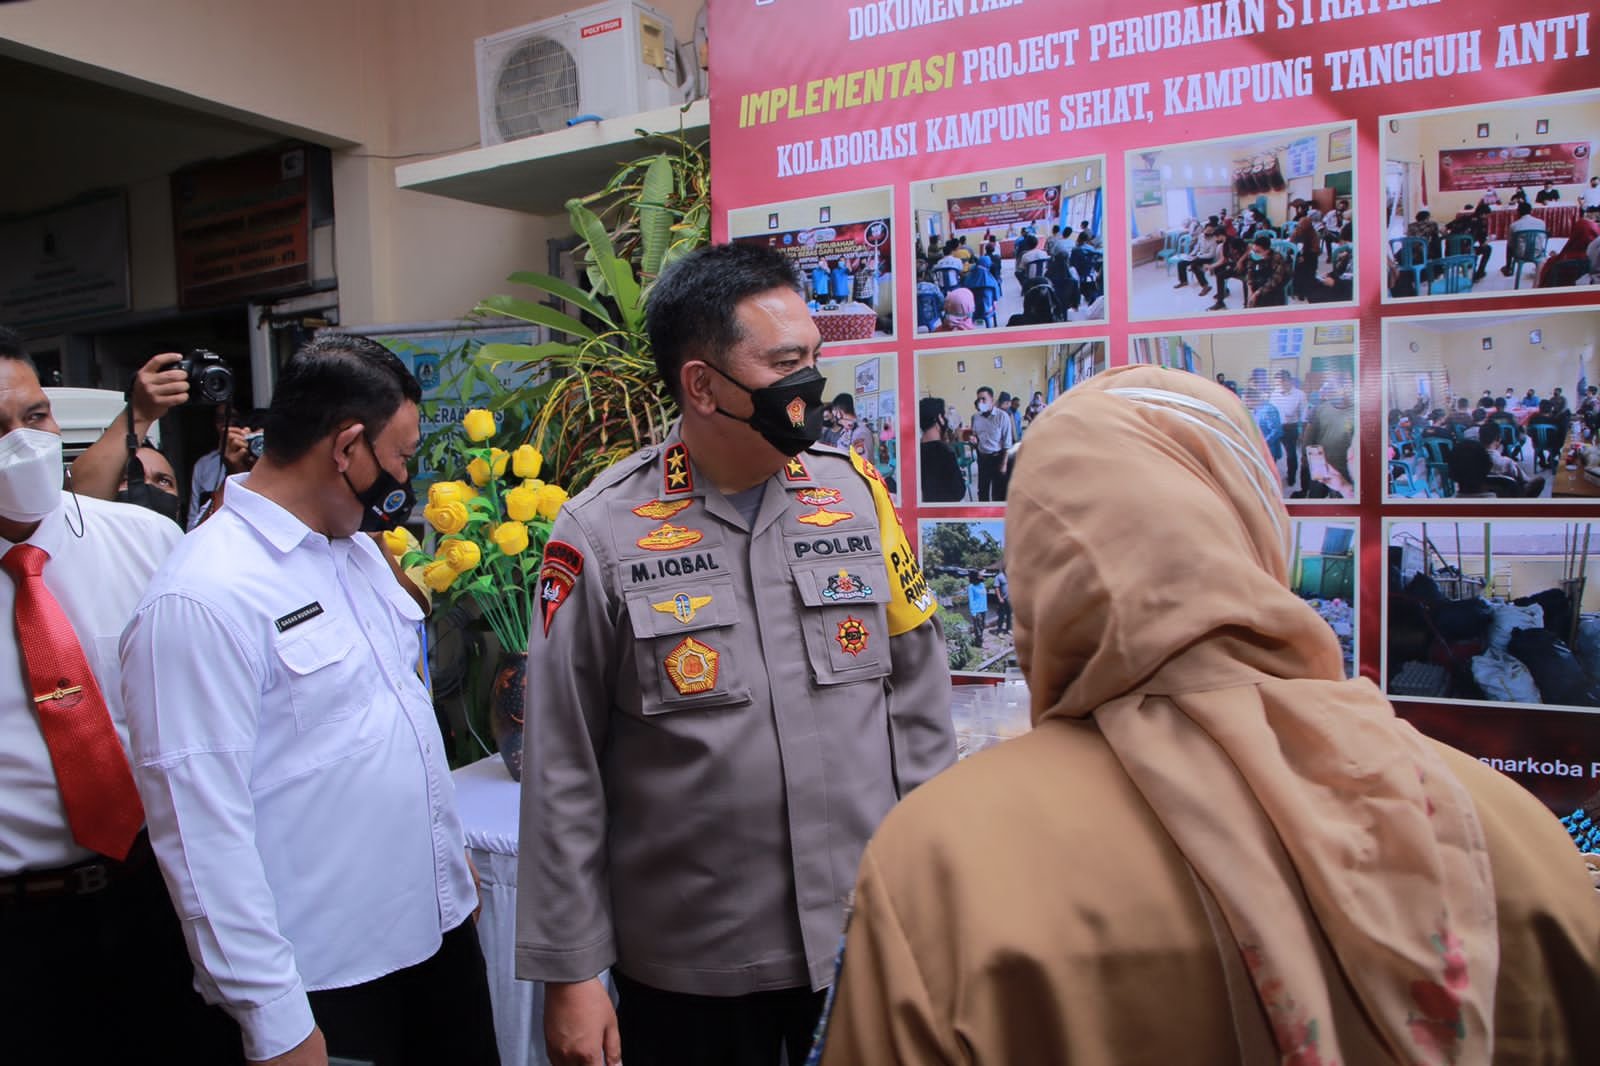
[
  {"x": 1299, "y": 384},
  {"x": 1488, "y": 610},
  {"x": 1009, "y": 248},
  {"x": 859, "y": 410},
  {"x": 964, "y": 562},
  {"x": 974, "y": 407},
  {"x": 1323, "y": 572},
  {"x": 1493, "y": 199},
  {"x": 1493, "y": 406},
  {"x": 1266, "y": 220},
  {"x": 841, "y": 247}
]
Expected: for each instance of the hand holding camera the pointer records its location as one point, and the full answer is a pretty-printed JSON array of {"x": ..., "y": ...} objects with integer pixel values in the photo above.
[{"x": 158, "y": 387}]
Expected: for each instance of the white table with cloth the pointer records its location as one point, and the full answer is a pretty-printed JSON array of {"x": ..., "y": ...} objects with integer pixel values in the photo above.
[{"x": 487, "y": 799}]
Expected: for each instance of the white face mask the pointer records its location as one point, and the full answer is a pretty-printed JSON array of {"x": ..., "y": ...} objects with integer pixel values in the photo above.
[
  {"x": 30, "y": 474},
  {"x": 984, "y": 408}
]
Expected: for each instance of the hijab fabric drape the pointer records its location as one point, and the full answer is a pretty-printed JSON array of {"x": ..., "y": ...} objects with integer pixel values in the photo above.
[{"x": 1148, "y": 549}]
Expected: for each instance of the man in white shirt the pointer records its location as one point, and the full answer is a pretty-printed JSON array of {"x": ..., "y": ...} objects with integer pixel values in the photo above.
[
  {"x": 1525, "y": 220},
  {"x": 1290, "y": 401},
  {"x": 94, "y": 968},
  {"x": 300, "y": 803}
]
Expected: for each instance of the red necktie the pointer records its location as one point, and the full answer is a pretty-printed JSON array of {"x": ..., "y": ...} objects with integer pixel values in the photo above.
[{"x": 92, "y": 772}]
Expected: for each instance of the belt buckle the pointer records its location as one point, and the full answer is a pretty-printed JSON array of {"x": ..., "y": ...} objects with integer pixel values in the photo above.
[{"x": 89, "y": 879}]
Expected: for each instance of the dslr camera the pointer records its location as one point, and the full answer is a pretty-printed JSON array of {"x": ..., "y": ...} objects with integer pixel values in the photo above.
[{"x": 210, "y": 380}]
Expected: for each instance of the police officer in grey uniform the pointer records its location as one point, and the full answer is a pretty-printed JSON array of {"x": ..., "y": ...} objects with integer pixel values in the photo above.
[{"x": 735, "y": 671}]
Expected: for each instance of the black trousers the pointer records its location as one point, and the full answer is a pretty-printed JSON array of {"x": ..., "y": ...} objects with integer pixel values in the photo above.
[
  {"x": 676, "y": 1029},
  {"x": 991, "y": 482},
  {"x": 1196, "y": 265},
  {"x": 1291, "y": 445},
  {"x": 106, "y": 978},
  {"x": 431, "y": 1014}
]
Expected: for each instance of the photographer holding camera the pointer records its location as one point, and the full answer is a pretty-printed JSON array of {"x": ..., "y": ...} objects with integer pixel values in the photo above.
[
  {"x": 238, "y": 448},
  {"x": 158, "y": 387}
]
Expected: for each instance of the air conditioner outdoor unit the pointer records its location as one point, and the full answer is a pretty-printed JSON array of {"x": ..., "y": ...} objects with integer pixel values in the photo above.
[{"x": 609, "y": 60}]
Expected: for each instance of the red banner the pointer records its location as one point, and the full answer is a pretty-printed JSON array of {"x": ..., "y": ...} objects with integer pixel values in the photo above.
[
  {"x": 1149, "y": 107},
  {"x": 848, "y": 242},
  {"x": 1003, "y": 210},
  {"x": 1477, "y": 169}
]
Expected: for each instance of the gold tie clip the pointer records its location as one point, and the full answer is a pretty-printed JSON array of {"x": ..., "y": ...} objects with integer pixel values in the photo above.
[{"x": 59, "y": 694}]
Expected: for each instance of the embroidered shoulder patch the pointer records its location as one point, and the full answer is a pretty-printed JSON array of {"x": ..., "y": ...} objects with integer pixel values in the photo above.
[
  {"x": 559, "y": 573},
  {"x": 795, "y": 470}
]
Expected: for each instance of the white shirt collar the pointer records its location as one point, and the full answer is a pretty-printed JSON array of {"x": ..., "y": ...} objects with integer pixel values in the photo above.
[{"x": 278, "y": 526}]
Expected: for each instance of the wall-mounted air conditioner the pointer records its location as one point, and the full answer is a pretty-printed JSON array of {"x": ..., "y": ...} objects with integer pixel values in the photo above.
[{"x": 609, "y": 60}]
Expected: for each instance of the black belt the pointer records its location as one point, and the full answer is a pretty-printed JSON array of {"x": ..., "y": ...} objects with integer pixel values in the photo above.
[{"x": 86, "y": 878}]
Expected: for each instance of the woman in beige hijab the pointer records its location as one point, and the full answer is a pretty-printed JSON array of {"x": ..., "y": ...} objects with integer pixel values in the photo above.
[{"x": 1212, "y": 848}]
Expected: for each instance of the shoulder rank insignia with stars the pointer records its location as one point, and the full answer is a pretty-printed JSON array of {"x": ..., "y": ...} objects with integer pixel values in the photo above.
[
  {"x": 677, "y": 477},
  {"x": 796, "y": 470},
  {"x": 661, "y": 510},
  {"x": 682, "y": 606}
]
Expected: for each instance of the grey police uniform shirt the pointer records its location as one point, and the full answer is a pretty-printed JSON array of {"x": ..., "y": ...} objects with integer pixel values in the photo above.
[{"x": 717, "y": 719}]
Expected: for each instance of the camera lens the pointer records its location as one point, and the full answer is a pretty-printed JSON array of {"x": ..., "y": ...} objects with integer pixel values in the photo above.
[{"x": 216, "y": 384}]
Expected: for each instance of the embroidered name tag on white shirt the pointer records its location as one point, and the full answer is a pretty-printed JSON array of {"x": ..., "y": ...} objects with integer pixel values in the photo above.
[{"x": 298, "y": 615}]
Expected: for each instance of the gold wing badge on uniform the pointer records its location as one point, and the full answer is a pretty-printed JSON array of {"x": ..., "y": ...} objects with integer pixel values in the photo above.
[
  {"x": 682, "y": 606},
  {"x": 660, "y": 510}
]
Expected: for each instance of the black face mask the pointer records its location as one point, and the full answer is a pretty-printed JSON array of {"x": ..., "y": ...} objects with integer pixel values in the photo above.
[
  {"x": 788, "y": 413},
  {"x": 386, "y": 503},
  {"x": 141, "y": 493}
]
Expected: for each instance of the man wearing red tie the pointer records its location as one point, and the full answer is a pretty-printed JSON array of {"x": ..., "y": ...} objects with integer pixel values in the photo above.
[{"x": 94, "y": 963}]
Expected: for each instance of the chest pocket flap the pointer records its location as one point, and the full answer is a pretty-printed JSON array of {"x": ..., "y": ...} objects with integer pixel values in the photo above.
[
  {"x": 845, "y": 622},
  {"x": 688, "y": 652},
  {"x": 323, "y": 668}
]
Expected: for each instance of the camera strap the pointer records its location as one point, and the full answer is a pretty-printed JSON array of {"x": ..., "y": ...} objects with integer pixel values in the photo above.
[{"x": 135, "y": 469}]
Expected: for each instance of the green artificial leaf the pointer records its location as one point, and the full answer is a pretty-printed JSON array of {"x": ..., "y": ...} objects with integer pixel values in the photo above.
[
  {"x": 620, "y": 283},
  {"x": 655, "y": 218},
  {"x": 539, "y": 314},
  {"x": 492, "y": 355},
  {"x": 565, "y": 290}
]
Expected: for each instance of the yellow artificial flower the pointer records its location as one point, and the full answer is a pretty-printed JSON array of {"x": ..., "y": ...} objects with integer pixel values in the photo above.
[
  {"x": 512, "y": 537},
  {"x": 439, "y": 575},
  {"x": 443, "y": 492},
  {"x": 462, "y": 555},
  {"x": 479, "y": 425},
  {"x": 481, "y": 471},
  {"x": 526, "y": 461},
  {"x": 447, "y": 518},
  {"x": 551, "y": 497},
  {"x": 522, "y": 503},
  {"x": 397, "y": 541},
  {"x": 533, "y": 484}
]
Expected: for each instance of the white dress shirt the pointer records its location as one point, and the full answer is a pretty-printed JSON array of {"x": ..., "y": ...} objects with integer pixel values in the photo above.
[
  {"x": 291, "y": 767},
  {"x": 98, "y": 579},
  {"x": 1291, "y": 405}
]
